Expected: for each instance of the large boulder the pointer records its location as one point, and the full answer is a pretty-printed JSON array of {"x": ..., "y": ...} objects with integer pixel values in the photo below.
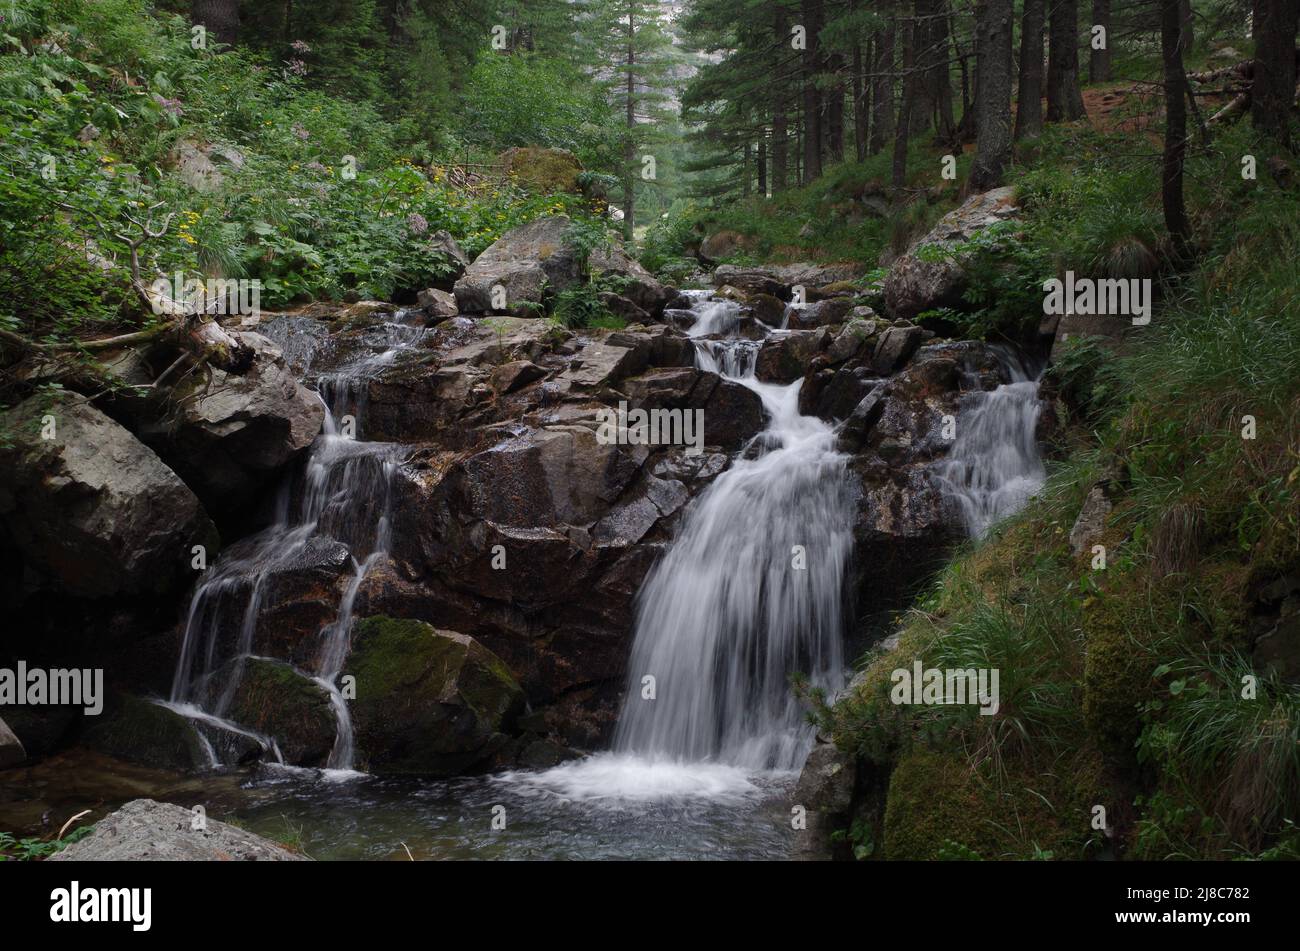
[
  {"x": 779, "y": 280},
  {"x": 429, "y": 702},
  {"x": 637, "y": 284},
  {"x": 140, "y": 731},
  {"x": 148, "y": 831},
  {"x": 275, "y": 700},
  {"x": 529, "y": 262},
  {"x": 92, "y": 511},
  {"x": 233, "y": 435},
  {"x": 541, "y": 169},
  {"x": 933, "y": 271},
  {"x": 11, "y": 749}
]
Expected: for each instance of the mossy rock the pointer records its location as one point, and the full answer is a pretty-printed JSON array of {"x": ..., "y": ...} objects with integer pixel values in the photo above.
[
  {"x": 937, "y": 808},
  {"x": 429, "y": 702},
  {"x": 543, "y": 170},
  {"x": 277, "y": 701},
  {"x": 139, "y": 731}
]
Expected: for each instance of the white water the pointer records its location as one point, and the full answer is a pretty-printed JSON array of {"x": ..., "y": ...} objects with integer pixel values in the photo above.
[
  {"x": 994, "y": 466},
  {"x": 726, "y": 618},
  {"x": 343, "y": 496}
]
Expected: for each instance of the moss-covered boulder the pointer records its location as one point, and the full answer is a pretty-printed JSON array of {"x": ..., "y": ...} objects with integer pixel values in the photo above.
[
  {"x": 277, "y": 701},
  {"x": 543, "y": 170},
  {"x": 141, "y": 731},
  {"x": 428, "y": 702},
  {"x": 937, "y": 808}
]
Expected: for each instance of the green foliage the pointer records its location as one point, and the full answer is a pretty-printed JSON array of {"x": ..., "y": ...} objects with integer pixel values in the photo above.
[
  {"x": 1005, "y": 272},
  {"x": 34, "y": 849}
]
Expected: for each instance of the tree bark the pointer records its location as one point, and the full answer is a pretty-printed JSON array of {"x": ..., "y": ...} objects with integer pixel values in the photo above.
[
  {"x": 1099, "y": 60},
  {"x": 993, "y": 142},
  {"x": 906, "y": 105},
  {"x": 882, "y": 85},
  {"x": 1171, "y": 184},
  {"x": 629, "y": 145},
  {"x": 1064, "y": 97},
  {"x": 780, "y": 123},
  {"x": 762, "y": 168},
  {"x": 812, "y": 124},
  {"x": 221, "y": 17},
  {"x": 1029, "y": 97},
  {"x": 859, "y": 106},
  {"x": 835, "y": 113},
  {"x": 1273, "y": 91}
]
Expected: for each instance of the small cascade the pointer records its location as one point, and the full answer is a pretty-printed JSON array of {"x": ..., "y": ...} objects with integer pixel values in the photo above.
[
  {"x": 994, "y": 466},
  {"x": 342, "y": 495},
  {"x": 749, "y": 595}
]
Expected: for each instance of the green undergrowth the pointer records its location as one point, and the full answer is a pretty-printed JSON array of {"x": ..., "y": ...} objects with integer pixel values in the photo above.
[{"x": 1133, "y": 687}]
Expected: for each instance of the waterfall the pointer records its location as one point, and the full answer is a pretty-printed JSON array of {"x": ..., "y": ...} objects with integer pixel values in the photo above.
[
  {"x": 749, "y": 594},
  {"x": 994, "y": 465},
  {"x": 342, "y": 495}
]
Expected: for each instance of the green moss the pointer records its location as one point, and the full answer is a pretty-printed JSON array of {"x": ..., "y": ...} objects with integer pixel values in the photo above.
[
  {"x": 142, "y": 732},
  {"x": 278, "y": 701},
  {"x": 934, "y": 799}
]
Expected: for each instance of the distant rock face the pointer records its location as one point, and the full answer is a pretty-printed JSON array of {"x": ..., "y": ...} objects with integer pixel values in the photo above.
[
  {"x": 720, "y": 245},
  {"x": 234, "y": 434},
  {"x": 148, "y": 831},
  {"x": 92, "y": 511},
  {"x": 920, "y": 281},
  {"x": 429, "y": 702}
]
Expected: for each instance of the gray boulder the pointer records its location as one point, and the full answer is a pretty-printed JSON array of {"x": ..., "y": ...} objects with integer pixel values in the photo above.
[
  {"x": 147, "y": 831},
  {"x": 93, "y": 511},
  {"x": 235, "y": 433},
  {"x": 920, "y": 281},
  {"x": 528, "y": 262}
]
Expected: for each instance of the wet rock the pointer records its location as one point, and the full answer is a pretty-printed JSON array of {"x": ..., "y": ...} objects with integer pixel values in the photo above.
[
  {"x": 936, "y": 278},
  {"x": 140, "y": 731},
  {"x": 92, "y": 511},
  {"x": 895, "y": 347},
  {"x": 785, "y": 359},
  {"x": 148, "y": 831},
  {"x": 11, "y": 749},
  {"x": 851, "y": 340},
  {"x": 429, "y": 702},
  {"x": 825, "y": 790},
  {"x": 438, "y": 305},
  {"x": 276, "y": 700},
  {"x": 233, "y": 435},
  {"x": 832, "y": 310},
  {"x": 779, "y": 280}
]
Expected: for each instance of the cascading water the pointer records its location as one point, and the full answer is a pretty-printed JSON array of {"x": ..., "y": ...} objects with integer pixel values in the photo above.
[
  {"x": 749, "y": 594},
  {"x": 994, "y": 465},
  {"x": 342, "y": 496}
]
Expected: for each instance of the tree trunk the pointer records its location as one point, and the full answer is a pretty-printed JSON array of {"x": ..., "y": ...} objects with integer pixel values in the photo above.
[
  {"x": 1188, "y": 20},
  {"x": 1171, "y": 184},
  {"x": 762, "y": 168},
  {"x": 835, "y": 113},
  {"x": 1099, "y": 60},
  {"x": 993, "y": 144},
  {"x": 221, "y": 17},
  {"x": 882, "y": 86},
  {"x": 780, "y": 124},
  {"x": 859, "y": 106},
  {"x": 629, "y": 145},
  {"x": 945, "y": 121},
  {"x": 812, "y": 124},
  {"x": 1273, "y": 91},
  {"x": 1029, "y": 98},
  {"x": 906, "y": 104},
  {"x": 1064, "y": 98}
]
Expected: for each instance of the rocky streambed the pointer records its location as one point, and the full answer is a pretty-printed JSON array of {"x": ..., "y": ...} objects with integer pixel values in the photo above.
[{"x": 389, "y": 576}]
